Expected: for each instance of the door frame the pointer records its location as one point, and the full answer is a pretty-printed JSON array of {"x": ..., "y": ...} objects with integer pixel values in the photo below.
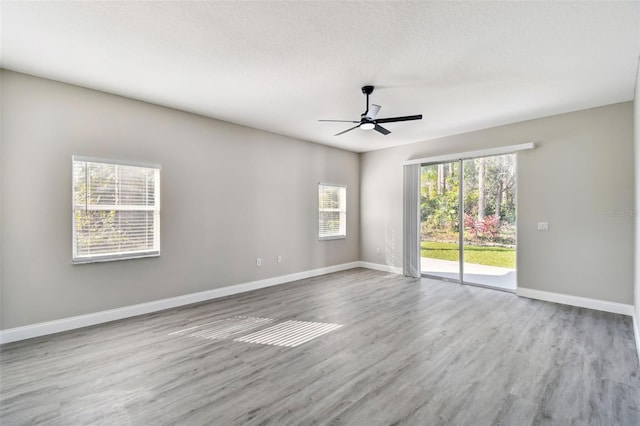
[{"x": 459, "y": 158}]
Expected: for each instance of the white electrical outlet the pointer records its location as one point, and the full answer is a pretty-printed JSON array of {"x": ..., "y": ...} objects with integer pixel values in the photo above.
[
  {"x": 258, "y": 262},
  {"x": 543, "y": 226},
  {"x": 378, "y": 250},
  {"x": 279, "y": 259}
]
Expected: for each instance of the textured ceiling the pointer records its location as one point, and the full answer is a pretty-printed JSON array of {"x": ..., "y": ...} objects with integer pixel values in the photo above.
[{"x": 281, "y": 66}]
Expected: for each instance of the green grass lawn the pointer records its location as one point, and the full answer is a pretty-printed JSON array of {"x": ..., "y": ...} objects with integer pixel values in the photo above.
[{"x": 483, "y": 255}]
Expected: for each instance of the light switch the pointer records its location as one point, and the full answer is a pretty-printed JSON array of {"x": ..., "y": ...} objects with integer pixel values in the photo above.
[{"x": 543, "y": 226}]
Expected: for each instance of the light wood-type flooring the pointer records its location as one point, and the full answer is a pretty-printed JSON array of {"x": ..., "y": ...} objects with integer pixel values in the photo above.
[{"x": 410, "y": 351}]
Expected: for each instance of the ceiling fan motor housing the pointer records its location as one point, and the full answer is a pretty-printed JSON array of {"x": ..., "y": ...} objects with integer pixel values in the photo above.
[{"x": 367, "y": 90}]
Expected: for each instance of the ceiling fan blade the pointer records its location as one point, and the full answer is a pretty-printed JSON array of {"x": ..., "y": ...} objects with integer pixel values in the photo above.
[
  {"x": 341, "y": 121},
  {"x": 381, "y": 130},
  {"x": 348, "y": 130},
  {"x": 373, "y": 111},
  {"x": 394, "y": 119}
]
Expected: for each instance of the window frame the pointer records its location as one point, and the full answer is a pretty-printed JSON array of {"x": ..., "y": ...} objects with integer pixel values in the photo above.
[
  {"x": 342, "y": 209},
  {"x": 123, "y": 255}
]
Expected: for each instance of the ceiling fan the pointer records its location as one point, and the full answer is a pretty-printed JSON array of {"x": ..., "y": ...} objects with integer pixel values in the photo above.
[{"x": 368, "y": 120}]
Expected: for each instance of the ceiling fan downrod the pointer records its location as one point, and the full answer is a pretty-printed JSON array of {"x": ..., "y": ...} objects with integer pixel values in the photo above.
[{"x": 367, "y": 90}]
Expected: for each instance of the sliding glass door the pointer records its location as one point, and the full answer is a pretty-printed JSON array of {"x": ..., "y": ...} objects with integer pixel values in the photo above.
[
  {"x": 440, "y": 220},
  {"x": 489, "y": 190},
  {"x": 468, "y": 221}
]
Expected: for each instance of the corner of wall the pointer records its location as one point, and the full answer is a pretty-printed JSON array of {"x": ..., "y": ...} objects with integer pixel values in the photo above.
[{"x": 636, "y": 148}]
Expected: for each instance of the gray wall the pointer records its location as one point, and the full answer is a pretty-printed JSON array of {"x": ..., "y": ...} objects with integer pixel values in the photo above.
[
  {"x": 230, "y": 194},
  {"x": 582, "y": 168}
]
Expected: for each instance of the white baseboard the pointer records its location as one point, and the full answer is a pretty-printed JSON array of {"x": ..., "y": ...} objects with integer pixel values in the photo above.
[
  {"x": 381, "y": 267},
  {"x": 71, "y": 323},
  {"x": 582, "y": 302}
]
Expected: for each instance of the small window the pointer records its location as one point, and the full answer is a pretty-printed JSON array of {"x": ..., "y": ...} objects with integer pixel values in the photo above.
[
  {"x": 116, "y": 210},
  {"x": 332, "y": 211}
]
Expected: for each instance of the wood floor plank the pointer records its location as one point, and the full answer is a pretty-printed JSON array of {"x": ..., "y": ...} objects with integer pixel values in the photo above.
[{"x": 410, "y": 351}]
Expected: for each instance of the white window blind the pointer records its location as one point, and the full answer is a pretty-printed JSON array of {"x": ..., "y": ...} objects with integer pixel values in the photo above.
[
  {"x": 332, "y": 211},
  {"x": 116, "y": 210}
]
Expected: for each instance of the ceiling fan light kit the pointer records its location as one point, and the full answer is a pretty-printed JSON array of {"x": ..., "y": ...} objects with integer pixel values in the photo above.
[{"x": 368, "y": 120}]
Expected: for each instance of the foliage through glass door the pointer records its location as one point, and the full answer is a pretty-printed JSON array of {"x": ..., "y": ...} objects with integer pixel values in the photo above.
[{"x": 488, "y": 217}]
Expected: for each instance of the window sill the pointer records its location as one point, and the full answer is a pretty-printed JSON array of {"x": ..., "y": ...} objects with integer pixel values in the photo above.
[
  {"x": 82, "y": 261},
  {"x": 333, "y": 237}
]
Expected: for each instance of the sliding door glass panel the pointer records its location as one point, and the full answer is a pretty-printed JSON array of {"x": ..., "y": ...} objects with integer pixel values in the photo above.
[
  {"x": 440, "y": 224},
  {"x": 489, "y": 193}
]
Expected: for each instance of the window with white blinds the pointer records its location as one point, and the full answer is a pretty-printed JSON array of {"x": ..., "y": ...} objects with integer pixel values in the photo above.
[
  {"x": 116, "y": 210},
  {"x": 332, "y": 211}
]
